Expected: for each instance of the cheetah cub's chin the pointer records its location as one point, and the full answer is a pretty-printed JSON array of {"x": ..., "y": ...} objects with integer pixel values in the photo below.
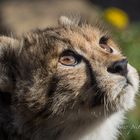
[{"x": 70, "y": 82}]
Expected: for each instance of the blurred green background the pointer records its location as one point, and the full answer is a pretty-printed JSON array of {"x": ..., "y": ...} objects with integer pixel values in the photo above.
[
  {"x": 129, "y": 40},
  {"x": 122, "y": 18}
]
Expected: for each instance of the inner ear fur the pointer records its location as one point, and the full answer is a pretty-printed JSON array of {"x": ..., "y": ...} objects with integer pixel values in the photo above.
[{"x": 8, "y": 48}]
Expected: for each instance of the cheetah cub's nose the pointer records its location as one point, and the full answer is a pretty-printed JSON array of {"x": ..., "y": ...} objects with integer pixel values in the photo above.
[{"x": 119, "y": 67}]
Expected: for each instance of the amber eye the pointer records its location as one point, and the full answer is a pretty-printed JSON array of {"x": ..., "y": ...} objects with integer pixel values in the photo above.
[
  {"x": 69, "y": 59},
  {"x": 103, "y": 44}
]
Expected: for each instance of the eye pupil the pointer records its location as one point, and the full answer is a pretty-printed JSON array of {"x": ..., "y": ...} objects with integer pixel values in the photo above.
[
  {"x": 68, "y": 60},
  {"x": 106, "y": 48},
  {"x": 103, "y": 44}
]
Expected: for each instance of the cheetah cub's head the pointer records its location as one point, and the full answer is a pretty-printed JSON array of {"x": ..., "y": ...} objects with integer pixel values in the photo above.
[{"x": 73, "y": 69}]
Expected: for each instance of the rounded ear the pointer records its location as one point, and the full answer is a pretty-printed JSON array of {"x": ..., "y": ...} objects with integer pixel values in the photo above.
[
  {"x": 7, "y": 65},
  {"x": 69, "y": 20}
]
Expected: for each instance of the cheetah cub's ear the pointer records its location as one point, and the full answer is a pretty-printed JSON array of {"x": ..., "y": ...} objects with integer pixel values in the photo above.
[
  {"x": 7, "y": 61},
  {"x": 71, "y": 20}
]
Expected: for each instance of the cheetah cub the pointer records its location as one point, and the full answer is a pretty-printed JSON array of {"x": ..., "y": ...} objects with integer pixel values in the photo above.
[{"x": 70, "y": 82}]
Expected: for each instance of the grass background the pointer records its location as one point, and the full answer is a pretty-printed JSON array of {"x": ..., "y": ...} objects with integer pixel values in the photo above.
[{"x": 129, "y": 41}]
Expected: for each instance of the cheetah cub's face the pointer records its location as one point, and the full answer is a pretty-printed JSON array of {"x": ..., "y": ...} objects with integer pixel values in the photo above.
[
  {"x": 73, "y": 69},
  {"x": 94, "y": 76}
]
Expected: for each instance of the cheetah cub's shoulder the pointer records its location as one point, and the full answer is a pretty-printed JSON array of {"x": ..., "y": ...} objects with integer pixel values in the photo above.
[{"x": 70, "y": 82}]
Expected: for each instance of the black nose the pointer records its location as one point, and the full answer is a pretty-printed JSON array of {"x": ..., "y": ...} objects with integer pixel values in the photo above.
[{"x": 119, "y": 67}]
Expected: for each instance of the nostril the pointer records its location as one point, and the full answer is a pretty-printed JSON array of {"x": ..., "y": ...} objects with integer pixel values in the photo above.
[{"x": 119, "y": 67}]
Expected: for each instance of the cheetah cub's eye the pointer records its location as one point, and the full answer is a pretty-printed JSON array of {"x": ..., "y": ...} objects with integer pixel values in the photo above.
[
  {"x": 103, "y": 44},
  {"x": 68, "y": 58}
]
